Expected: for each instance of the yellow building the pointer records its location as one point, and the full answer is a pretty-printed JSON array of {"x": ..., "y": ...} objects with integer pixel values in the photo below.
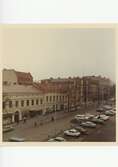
[{"x": 19, "y": 101}]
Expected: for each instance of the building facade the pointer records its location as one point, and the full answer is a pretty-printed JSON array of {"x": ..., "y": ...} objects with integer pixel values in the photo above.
[
  {"x": 23, "y": 97},
  {"x": 20, "y": 101}
]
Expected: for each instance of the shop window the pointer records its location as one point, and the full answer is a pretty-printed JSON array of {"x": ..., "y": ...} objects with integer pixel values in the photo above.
[{"x": 27, "y": 102}]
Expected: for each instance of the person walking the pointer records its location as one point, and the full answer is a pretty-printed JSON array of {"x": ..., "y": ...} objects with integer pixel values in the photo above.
[
  {"x": 35, "y": 124},
  {"x": 52, "y": 119},
  {"x": 24, "y": 119}
]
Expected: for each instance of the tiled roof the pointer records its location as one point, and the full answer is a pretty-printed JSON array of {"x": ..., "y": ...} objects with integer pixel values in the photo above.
[{"x": 24, "y": 77}]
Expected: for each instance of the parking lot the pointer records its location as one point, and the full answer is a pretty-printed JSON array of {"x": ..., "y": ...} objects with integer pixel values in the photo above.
[
  {"x": 102, "y": 133},
  {"x": 106, "y": 132}
]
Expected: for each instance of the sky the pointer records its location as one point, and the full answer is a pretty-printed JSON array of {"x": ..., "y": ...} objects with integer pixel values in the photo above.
[{"x": 59, "y": 51}]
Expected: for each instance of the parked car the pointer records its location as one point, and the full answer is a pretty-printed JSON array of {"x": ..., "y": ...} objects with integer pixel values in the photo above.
[
  {"x": 88, "y": 124},
  {"x": 81, "y": 129},
  {"x": 100, "y": 109},
  {"x": 89, "y": 115},
  {"x": 109, "y": 113},
  {"x": 84, "y": 117},
  {"x": 7, "y": 128},
  {"x": 72, "y": 132},
  {"x": 79, "y": 116},
  {"x": 107, "y": 107},
  {"x": 16, "y": 139},
  {"x": 102, "y": 117},
  {"x": 75, "y": 121},
  {"x": 97, "y": 120},
  {"x": 57, "y": 139}
]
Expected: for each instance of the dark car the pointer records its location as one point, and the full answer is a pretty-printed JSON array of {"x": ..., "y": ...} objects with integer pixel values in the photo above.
[
  {"x": 16, "y": 139},
  {"x": 100, "y": 109}
]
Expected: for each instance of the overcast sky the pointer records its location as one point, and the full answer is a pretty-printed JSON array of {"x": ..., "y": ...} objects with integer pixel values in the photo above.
[{"x": 59, "y": 52}]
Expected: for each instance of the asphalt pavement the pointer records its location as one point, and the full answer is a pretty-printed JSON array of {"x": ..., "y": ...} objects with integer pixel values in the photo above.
[{"x": 45, "y": 128}]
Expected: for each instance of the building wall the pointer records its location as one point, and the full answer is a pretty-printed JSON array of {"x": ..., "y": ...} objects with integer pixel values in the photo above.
[
  {"x": 22, "y": 106},
  {"x": 57, "y": 94},
  {"x": 9, "y": 77},
  {"x": 55, "y": 102}
]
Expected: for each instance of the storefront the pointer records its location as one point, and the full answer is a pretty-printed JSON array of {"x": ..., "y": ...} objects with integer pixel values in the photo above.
[{"x": 7, "y": 118}]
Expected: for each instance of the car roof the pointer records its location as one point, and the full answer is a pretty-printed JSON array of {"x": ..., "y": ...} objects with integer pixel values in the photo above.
[
  {"x": 16, "y": 139},
  {"x": 59, "y": 138}
]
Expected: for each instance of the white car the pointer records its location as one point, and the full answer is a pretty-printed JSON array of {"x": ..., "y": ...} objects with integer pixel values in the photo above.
[
  {"x": 107, "y": 107},
  {"x": 81, "y": 129},
  {"x": 72, "y": 132},
  {"x": 84, "y": 117},
  {"x": 97, "y": 120},
  {"x": 88, "y": 124},
  {"x": 89, "y": 115},
  {"x": 100, "y": 109},
  {"x": 79, "y": 116},
  {"x": 103, "y": 117},
  {"x": 57, "y": 139},
  {"x": 109, "y": 113}
]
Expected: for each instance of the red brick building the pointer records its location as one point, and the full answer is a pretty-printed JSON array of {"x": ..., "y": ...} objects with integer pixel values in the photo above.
[{"x": 13, "y": 77}]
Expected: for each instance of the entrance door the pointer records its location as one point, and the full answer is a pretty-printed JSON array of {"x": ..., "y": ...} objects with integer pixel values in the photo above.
[{"x": 16, "y": 117}]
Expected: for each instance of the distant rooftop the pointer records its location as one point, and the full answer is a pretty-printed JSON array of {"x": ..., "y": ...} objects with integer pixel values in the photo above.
[{"x": 20, "y": 89}]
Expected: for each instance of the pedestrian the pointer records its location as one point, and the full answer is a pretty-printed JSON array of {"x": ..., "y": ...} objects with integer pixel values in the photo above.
[
  {"x": 35, "y": 124},
  {"x": 52, "y": 119},
  {"x": 24, "y": 119}
]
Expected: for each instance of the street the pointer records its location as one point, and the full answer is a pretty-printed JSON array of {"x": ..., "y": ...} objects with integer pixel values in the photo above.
[{"x": 50, "y": 129}]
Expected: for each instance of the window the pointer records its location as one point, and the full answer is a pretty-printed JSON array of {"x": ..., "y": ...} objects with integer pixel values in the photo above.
[
  {"x": 32, "y": 102},
  {"x": 16, "y": 103},
  {"x": 5, "y": 82},
  {"x": 41, "y": 101},
  {"x": 47, "y": 98},
  {"x": 22, "y": 103},
  {"x": 50, "y": 98},
  {"x": 27, "y": 102},
  {"x": 57, "y": 98},
  {"x": 53, "y": 107},
  {"x": 53, "y": 98},
  {"x": 10, "y": 104},
  {"x": 60, "y": 98},
  {"x": 37, "y": 101},
  {"x": 3, "y": 105},
  {"x": 56, "y": 107}
]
